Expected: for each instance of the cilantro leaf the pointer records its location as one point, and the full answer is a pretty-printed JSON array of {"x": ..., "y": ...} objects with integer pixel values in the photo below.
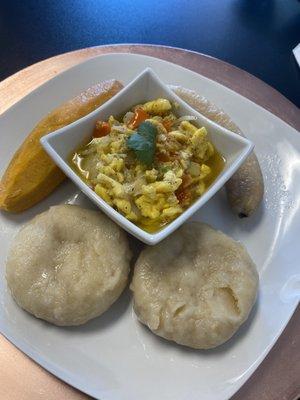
[{"x": 143, "y": 143}]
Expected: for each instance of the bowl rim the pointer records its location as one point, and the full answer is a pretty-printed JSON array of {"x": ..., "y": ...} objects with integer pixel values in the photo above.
[{"x": 116, "y": 216}]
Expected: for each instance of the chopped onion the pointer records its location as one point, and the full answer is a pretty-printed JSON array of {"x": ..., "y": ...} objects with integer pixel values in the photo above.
[
  {"x": 194, "y": 169},
  {"x": 128, "y": 117},
  {"x": 102, "y": 141},
  {"x": 187, "y": 118},
  {"x": 121, "y": 129},
  {"x": 94, "y": 143}
]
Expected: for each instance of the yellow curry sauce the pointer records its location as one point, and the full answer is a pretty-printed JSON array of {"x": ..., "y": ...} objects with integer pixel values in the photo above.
[{"x": 150, "y": 165}]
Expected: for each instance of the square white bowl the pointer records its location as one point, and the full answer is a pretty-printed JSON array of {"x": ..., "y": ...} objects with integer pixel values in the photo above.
[{"x": 146, "y": 86}]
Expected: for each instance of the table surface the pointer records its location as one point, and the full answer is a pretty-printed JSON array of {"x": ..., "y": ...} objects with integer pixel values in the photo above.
[
  {"x": 255, "y": 35},
  {"x": 278, "y": 376}
]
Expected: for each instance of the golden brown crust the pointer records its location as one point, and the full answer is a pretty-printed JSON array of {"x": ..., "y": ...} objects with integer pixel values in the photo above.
[{"x": 31, "y": 174}]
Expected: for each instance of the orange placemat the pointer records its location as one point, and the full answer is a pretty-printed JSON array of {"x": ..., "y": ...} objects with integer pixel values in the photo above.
[{"x": 278, "y": 377}]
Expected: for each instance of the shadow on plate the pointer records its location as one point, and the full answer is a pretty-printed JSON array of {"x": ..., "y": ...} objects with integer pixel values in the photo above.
[
  {"x": 217, "y": 213},
  {"x": 60, "y": 195}
]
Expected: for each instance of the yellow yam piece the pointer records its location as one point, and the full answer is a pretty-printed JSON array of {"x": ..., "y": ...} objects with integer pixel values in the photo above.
[{"x": 31, "y": 174}]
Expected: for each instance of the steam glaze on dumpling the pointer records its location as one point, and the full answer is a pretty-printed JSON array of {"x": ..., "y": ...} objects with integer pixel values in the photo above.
[
  {"x": 196, "y": 287},
  {"x": 68, "y": 265}
]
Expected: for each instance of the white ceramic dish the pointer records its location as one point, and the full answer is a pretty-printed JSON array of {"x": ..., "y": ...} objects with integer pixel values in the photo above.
[
  {"x": 145, "y": 87},
  {"x": 114, "y": 357}
]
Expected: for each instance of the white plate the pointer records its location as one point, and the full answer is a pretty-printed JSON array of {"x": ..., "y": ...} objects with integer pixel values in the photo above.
[{"x": 114, "y": 357}]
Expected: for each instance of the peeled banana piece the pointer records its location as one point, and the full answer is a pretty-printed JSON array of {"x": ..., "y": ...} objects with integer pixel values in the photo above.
[{"x": 245, "y": 189}]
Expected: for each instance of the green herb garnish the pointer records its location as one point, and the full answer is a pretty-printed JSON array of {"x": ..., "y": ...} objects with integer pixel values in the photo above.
[{"x": 143, "y": 142}]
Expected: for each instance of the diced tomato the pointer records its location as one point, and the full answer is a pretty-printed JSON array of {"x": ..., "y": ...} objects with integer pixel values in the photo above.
[
  {"x": 174, "y": 156},
  {"x": 101, "y": 129},
  {"x": 168, "y": 125},
  {"x": 183, "y": 193},
  {"x": 139, "y": 116},
  {"x": 165, "y": 157},
  {"x": 162, "y": 157},
  {"x": 186, "y": 180}
]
